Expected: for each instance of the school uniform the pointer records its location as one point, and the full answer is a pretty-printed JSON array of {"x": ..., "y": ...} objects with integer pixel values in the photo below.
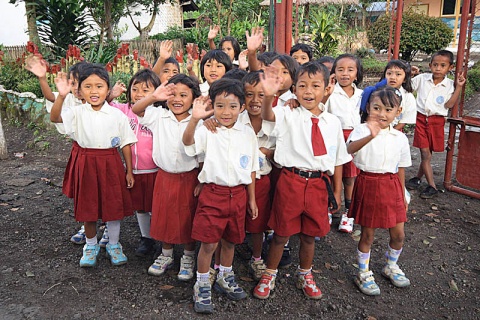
[
  {"x": 230, "y": 158},
  {"x": 99, "y": 175},
  {"x": 378, "y": 196},
  {"x": 144, "y": 168},
  {"x": 262, "y": 182},
  {"x": 301, "y": 197},
  {"x": 347, "y": 109},
  {"x": 431, "y": 111},
  {"x": 173, "y": 205},
  {"x": 204, "y": 87},
  {"x": 409, "y": 109}
]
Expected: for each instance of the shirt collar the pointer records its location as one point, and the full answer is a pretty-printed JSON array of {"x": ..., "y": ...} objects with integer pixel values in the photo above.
[
  {"x": 338, "y": 89},
  {"x": 169, "y": 114},
  {"x": 443, "y": 83},
  {"x": 106, "y": 108}
]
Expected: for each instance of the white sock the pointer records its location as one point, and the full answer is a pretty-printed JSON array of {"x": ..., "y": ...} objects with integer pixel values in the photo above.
[
  {"x": 222, "y": 270},
  {"x": 92, "y": 241},
  {"x": 143, "y": 219},
  {"x": 113, "y": 231},
  {"x": 167, "y": 252},
  {"x": 189, "y": 253},
  {"x": 203, "y": 277}
]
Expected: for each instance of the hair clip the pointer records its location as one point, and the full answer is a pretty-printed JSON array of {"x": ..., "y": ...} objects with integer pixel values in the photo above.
[{"x": 398, "y": 93}]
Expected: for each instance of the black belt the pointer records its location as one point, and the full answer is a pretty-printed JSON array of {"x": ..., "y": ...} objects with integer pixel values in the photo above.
[{"x": 332, "y": 202}]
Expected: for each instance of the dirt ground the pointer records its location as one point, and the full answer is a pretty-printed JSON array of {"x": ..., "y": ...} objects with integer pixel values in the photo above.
[{"x": 40, "y": 277}]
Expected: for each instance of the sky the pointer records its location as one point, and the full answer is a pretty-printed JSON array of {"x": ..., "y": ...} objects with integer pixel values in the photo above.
[{"x": 13, "y": 24}]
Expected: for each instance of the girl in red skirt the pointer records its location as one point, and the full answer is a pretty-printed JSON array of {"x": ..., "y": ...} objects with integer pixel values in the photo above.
[
  {"x": 381, "y": 154},
  {"x": 100, "y": 182},
  {"x": 174, "y": 202}
]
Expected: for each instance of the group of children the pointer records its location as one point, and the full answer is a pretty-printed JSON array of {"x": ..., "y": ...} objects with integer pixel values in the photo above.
[{"x": 270, "y": 149}]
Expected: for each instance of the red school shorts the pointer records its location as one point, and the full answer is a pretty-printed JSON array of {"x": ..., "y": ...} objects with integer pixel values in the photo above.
[
  {"x": 349, "y": 168},
  {"x": 174, "y": 206},
  {"x": 220, "y": 214},
  {"x": 429, "y": 133},
  {"x": 262, "y": 197},
  {"x": 68, "y": 185},
  {"x": 142, "y": 191},
  {"x": 300, "y": 206}
]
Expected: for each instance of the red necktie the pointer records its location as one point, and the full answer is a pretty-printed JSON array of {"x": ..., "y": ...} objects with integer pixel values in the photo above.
[
  {"x": 318, "y": 144},
  {"x": 275, "y": 101}
]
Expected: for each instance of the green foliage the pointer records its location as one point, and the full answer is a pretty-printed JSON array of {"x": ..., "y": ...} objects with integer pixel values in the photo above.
[
  {"x": 14, "y": 77},
  {"x": 364, "y": 53},
  {"x": 473, "y": 82},
  {"x": 419, "y": 33},
  {"x": 325, "y": 28},
  {"x": 123, "y": 77},
  {"x": 62, "y": 22},
  {"x": 194, "y": 35},
  {"x": 372, "y": 65},
  {"x": 101, "y": 52},
  {"x": 30, "y": 85}
]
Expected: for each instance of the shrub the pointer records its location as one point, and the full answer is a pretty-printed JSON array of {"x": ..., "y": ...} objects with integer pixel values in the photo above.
[
  {"x": 419, "y": 33},
  {"x": 14, "y": 77}
]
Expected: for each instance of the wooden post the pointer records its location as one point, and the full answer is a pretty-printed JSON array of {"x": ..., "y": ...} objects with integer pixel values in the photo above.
[{"x": 3, "y": 143}]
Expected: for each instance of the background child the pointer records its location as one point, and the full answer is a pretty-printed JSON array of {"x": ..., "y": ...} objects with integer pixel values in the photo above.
[
  {"x": 228, "y": 175},
  {"x": 378, "y": 197},
  {"x": 174, "y": 202},
  {"x": 302, "y": 53},
  {"x": 99, "y": 173},
  {"x": 328, "y": 62},
  {"x": 311, "y": 149},
  {"x": 166, "y": 66},
  {"x": 344, "y": 102},
  {"x": 213, "y": 67},
  {"x": 143, "y": 83},
  {"x": 435, "y": 95},
  {"x": 228, "y": 44}
]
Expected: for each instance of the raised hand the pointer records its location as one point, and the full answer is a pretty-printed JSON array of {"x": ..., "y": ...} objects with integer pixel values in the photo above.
[
  {"x": 211, "y": 124},
  {"x": 36, "y": 65},
  {"x": 64, "y": 85},
  {"x": 200, "y": 108},
  {"x": 242, "y": 60},
  {"x": 213, "y": 32},
  {"x": 164, "y": 92},
  {"x": 255, "y": 40},
  {"x": 460, "y": 79},
  {"x": 166, "y": 49},
  {"x": 373, "y": 123},
  {"x": 117, "y": 90},
  {"x": 179, "y": 56},
  {"x": 271, "y": 82}
]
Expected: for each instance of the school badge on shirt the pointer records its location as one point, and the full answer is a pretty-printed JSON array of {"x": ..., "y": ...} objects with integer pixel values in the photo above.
[
  {"x": 115, "y": 142},
  {"x": 440, "y": 99},
  {"x": 244, "y": 160}
]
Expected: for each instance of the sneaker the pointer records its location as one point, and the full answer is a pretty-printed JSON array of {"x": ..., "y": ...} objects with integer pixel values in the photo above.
[
  {"x": 104, "y": 240},
  {"x": 213, "y": 276},
  {"x": 257, "y": 268},
  {"x": 187, "y": 264},
  {"x": 115, "y": 252},
  {"x": 79, "y": 237},
  {"x": 346, "y": 224},
  {"x": 428, "y": 193},
  {"x": 413, "y": 183},
  {"x": 89, "y": 257},
  {"x": 396, "y": 275},
  {"x": 202, "y": 298},
  {"x": 228, "y": 286},
  {"x": 144, "y": 247},
  {"x": 286, "y": 260},
  {"x": 160, "y": 265},
  {"x": 308, "y": 286},
  {"x": 265, "y": 286},
  {"x": 330, "y": 218},
  {"x": 366, "y": 283}
]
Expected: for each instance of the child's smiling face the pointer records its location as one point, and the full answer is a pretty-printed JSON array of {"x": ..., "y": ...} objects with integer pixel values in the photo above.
[
  {"x": 226, "y": 109},
  {"x": 94, "y": 90},
  {"x": 181, "y": 102},
  {"x": 213, "y": 70},
  {"x": 253, "y": 99},
  {"x": 310, "y": 90}
]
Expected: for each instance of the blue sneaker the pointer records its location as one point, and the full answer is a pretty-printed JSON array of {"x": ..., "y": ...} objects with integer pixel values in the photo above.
[
  {"x": 79, "y": 237},
  {"x": 104, "y": 240},
  {"x": 89, "y": 257},
  {"x": 228, "y": 286},
  {"x": 115, "y": 252},
  {"x": 202, "y": 298}
]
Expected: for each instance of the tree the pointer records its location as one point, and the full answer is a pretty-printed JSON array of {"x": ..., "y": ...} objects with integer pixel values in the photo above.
[
  {"x": 151, "y": 7},
  {"x": 419, "y": 33},
  {"x": 31, "y": 20},
  {"x": 106, "y": 15}
]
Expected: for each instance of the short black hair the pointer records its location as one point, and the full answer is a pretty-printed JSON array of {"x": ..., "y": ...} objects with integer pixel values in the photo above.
[
  {"x": 443, "y": 53},
  {"x": 94, "y": 69},
  {"x": 326, "y": 59},
  {"x": 217, "y": 55},
  {"x": 267, "y": 57},
  {"x": 235, "y": 45},
  {"x": 77, "y": 68},
  {"x": 405, "y": 66},
  {"x": 172, "y": 61},
  {"x": 227, "y": 86},
  {"x": 143, "y": 75},
  {"x": 252, "y": 78},
  {"x": 289, "y": 63},
  {"x": 236, "y": 74},
  {"x": 389, "y": 96},
  {"x": 358, "y": 62},
  {"x": 189, "y": 82},
  {"x": 304, "y": 47},
  {"x": 312, "y": 68}
]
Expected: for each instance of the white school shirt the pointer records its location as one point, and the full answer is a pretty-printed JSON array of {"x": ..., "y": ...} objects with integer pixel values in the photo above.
[
  {"x": 387, "y": 152},
  {"x": 204, "y": 87},
  {"x": 264, "y": 141},
  {"x": 293, "y": 131},
  {"x": 168, "y": 152},
  {"x": 283, "y": 99},
  {"x": 346, "y": 108},
  {"x": 230, "y": 154},
  {"x": 70, "y": 101},
  {"x": 102, "y": 129},
  {"x": 409, "y": 109},
  {"x": 431, "y": 98}
]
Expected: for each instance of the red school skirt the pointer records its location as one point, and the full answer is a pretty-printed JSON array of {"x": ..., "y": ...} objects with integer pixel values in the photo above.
[
  {"x": 142, "y": 191},
  {"x": 349, "y": 168},
  {"x": 173, "y": 207},
  {"x": 378, "y": 200},
  {"x": 68, "y": 177},
  {"x": 100, "y": 186},
  {"x": 262, "y": 197}
]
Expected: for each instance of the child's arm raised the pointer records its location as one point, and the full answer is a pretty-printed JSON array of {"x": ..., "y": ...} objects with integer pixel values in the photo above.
[
  {"x": 199, "y": 112},
  {"x": 166, "y": 49},
  {"x": 162, "y": 93},
  {"x": 127, "y": 156},
  {"x": 212, "y": 34},
  {"x": 271, "y": 83},
  {"x": 64, "y": 86},
  {"x": 254, "y": 41},
  {"x": 38, "y": 67},
  {"x": 116, "y": 91},
  {"x": 458, "y": 89},
  {"x": 252, "y": 203},
  {"x": 374, "y": 126}
]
